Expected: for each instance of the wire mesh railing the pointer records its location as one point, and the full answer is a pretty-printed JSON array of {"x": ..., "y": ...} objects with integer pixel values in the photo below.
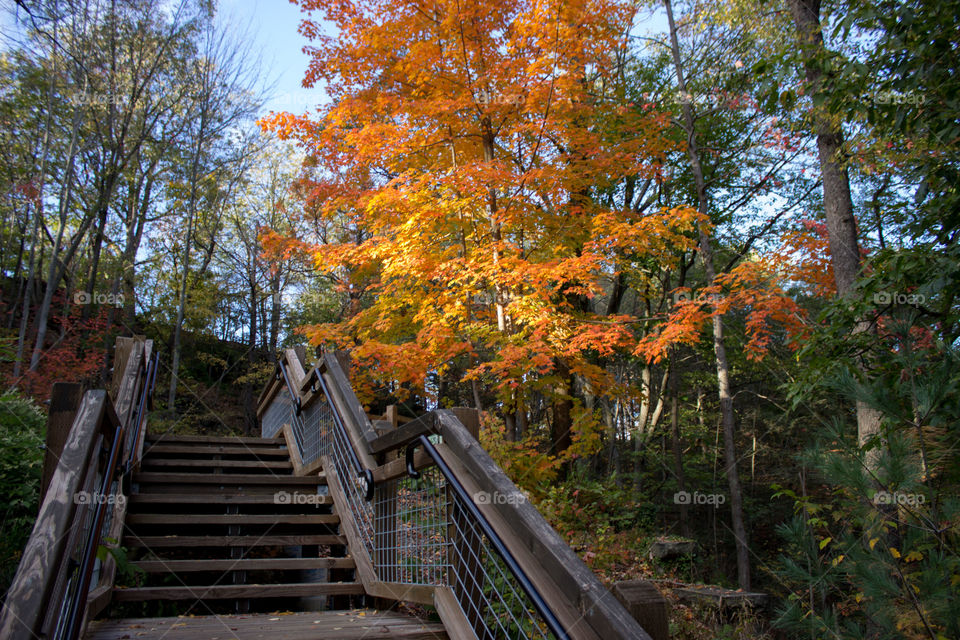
[{"x": 445, "y": 526}]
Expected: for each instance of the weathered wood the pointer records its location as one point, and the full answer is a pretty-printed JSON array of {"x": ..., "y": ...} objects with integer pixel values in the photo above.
[
  {"x": 348, "y": 404},
  {"x": 27, "y": 597},
  {"x": 122, "y": 349},
  {"x": 214, "y": 499},
  {"x": 282, "y": 465},
  {"x": 222, "y": 592},
  {"x": 141, "y": 429},
  {"x": 228, "y": 440},
  {"x": 599, "y": 608},
  {"x": 469, "y": 418},
  {"x": 454, "y": 621},
  {"x": 157, "y": 542},
  {"x": 391, "y": 414},
  {"x": 256, "y": 452},
  {"x": 341, "y": 625},
  {"x": 404, "y": 434},
  {"x": 398, "y": 468},
  {"x": 232, "y": 518},
  {"x": 646, "y": 604},
  {"x": 243, "y": 564},
  {"x": 153, "y": 477},
  {"x": 64, "y": 401},
  {"x": 720, "y": 597}
]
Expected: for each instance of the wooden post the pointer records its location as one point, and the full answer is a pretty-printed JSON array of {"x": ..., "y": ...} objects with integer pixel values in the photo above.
[
  {"x": 470, "y": 418},
  {"x": 343, "y": 357},
  {"x": 391, "y": 415},
  {"x": 646, "y": 604},
  {"x": 64, "y": 402}
]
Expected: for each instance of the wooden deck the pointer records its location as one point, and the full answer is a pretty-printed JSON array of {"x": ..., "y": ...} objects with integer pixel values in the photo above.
[{"x": 353, "y": 624}]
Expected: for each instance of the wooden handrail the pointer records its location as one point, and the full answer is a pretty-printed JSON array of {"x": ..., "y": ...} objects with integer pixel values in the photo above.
[
  {"x": 573, "y": 591},
  {"x": 36, "y": 598}
]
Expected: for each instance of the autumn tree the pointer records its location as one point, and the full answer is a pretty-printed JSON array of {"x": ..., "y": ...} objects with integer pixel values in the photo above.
[{"x": 467, "y": 145}]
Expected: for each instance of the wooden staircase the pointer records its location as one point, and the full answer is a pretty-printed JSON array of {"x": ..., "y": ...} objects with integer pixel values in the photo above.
[{"x": 223, "y": 526}]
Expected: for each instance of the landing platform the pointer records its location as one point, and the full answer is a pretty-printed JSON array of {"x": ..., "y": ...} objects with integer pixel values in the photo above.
[{"x": 353, "y": 624}]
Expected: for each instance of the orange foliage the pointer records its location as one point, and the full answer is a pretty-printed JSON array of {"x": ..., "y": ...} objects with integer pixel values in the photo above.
[{"x": 452, "y": 172}]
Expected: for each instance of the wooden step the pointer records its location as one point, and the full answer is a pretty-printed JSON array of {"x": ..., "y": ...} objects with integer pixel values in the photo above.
[
  {"x": 232, "y": 518},
  {"x": 215, "y": 450},
  {"x": 219, "y": 592},
  {"x": 157, "y": 477},
  {"x": 166, "y": 542},
  {"x": 245, "y": 564},
  {"x": 218, "y": 464},
  {"x": 341, "y": 625},
  {"x": 172, "y": 439},
  {"x": 215, "y": 498}
]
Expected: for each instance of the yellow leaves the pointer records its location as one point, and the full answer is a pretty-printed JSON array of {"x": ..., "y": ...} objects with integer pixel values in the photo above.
[
  {"x": 873, "y": 542},
  {"x": 913, "y": 556},
  {"x": 894, "y": 552},
  {"x": 825, "y": 542}
]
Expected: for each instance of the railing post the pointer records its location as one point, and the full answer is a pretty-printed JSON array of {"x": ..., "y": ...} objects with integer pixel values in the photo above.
[{"x": 64, "y": 401}]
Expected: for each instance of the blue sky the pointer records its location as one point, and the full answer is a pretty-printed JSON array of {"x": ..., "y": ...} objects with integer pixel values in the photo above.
[{"x": 273, "y": 24}]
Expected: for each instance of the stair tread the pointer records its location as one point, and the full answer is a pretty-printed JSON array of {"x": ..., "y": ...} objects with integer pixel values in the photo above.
[
  {"x": 172, "y": 439},
  {"x": 147, "y": 477},
  {"x": 134, "y": 541},
  {"x": 214, "y": 498},
  {"x": 244, "y": 564},
  {"x": 134, "y": 594},
  {"x": 232, "y": 518},
  {"x": 344, "y": 625},
  {"x": 247, "y": 450},
  {"x": 204, "y": 462}
]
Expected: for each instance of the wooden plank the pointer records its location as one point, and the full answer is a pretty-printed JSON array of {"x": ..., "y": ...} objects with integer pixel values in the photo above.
[
  {"x": 27, "y": 597},
  {"x": 295, "y": 459},
  {"x": 219, "y": 592},
  {"x": 64, "y": 401},
  {"x": 455, "y": 623},
  {"x": 142, "y": 431},
  {"x": 219, "y": 464},
  {"x": 214, "y": 498},
  {"x": 469, "y": 418},
  {"x": 403, "y": 435},
  {"x": 646, "y": 604},
  {"x": 341, "y": 625},
  {"x": 243, "y": 564},
  {"x": 232, "y": 518},
  {"x": 155, "y": 477},
  {"x": 227, "y": 440},
  {"x": 257, "y": 452},
  {"x": 164, "y": 542},
  {"x": 398, "y": 468},
  {"x": 350, "y": 407},
  {"x": 604, "y": 614}
]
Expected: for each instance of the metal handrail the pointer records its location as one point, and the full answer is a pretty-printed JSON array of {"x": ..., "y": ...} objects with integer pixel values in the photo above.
[
  {"x": 77, "y": 598},
  {"x": 362, "y": 471},
  {"x": 497, "y": 542}
]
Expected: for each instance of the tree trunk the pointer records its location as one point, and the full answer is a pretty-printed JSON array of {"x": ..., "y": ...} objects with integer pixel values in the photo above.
[
  {"x": 719, "y": 349},
  {"x": 837, "y": 203}
]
